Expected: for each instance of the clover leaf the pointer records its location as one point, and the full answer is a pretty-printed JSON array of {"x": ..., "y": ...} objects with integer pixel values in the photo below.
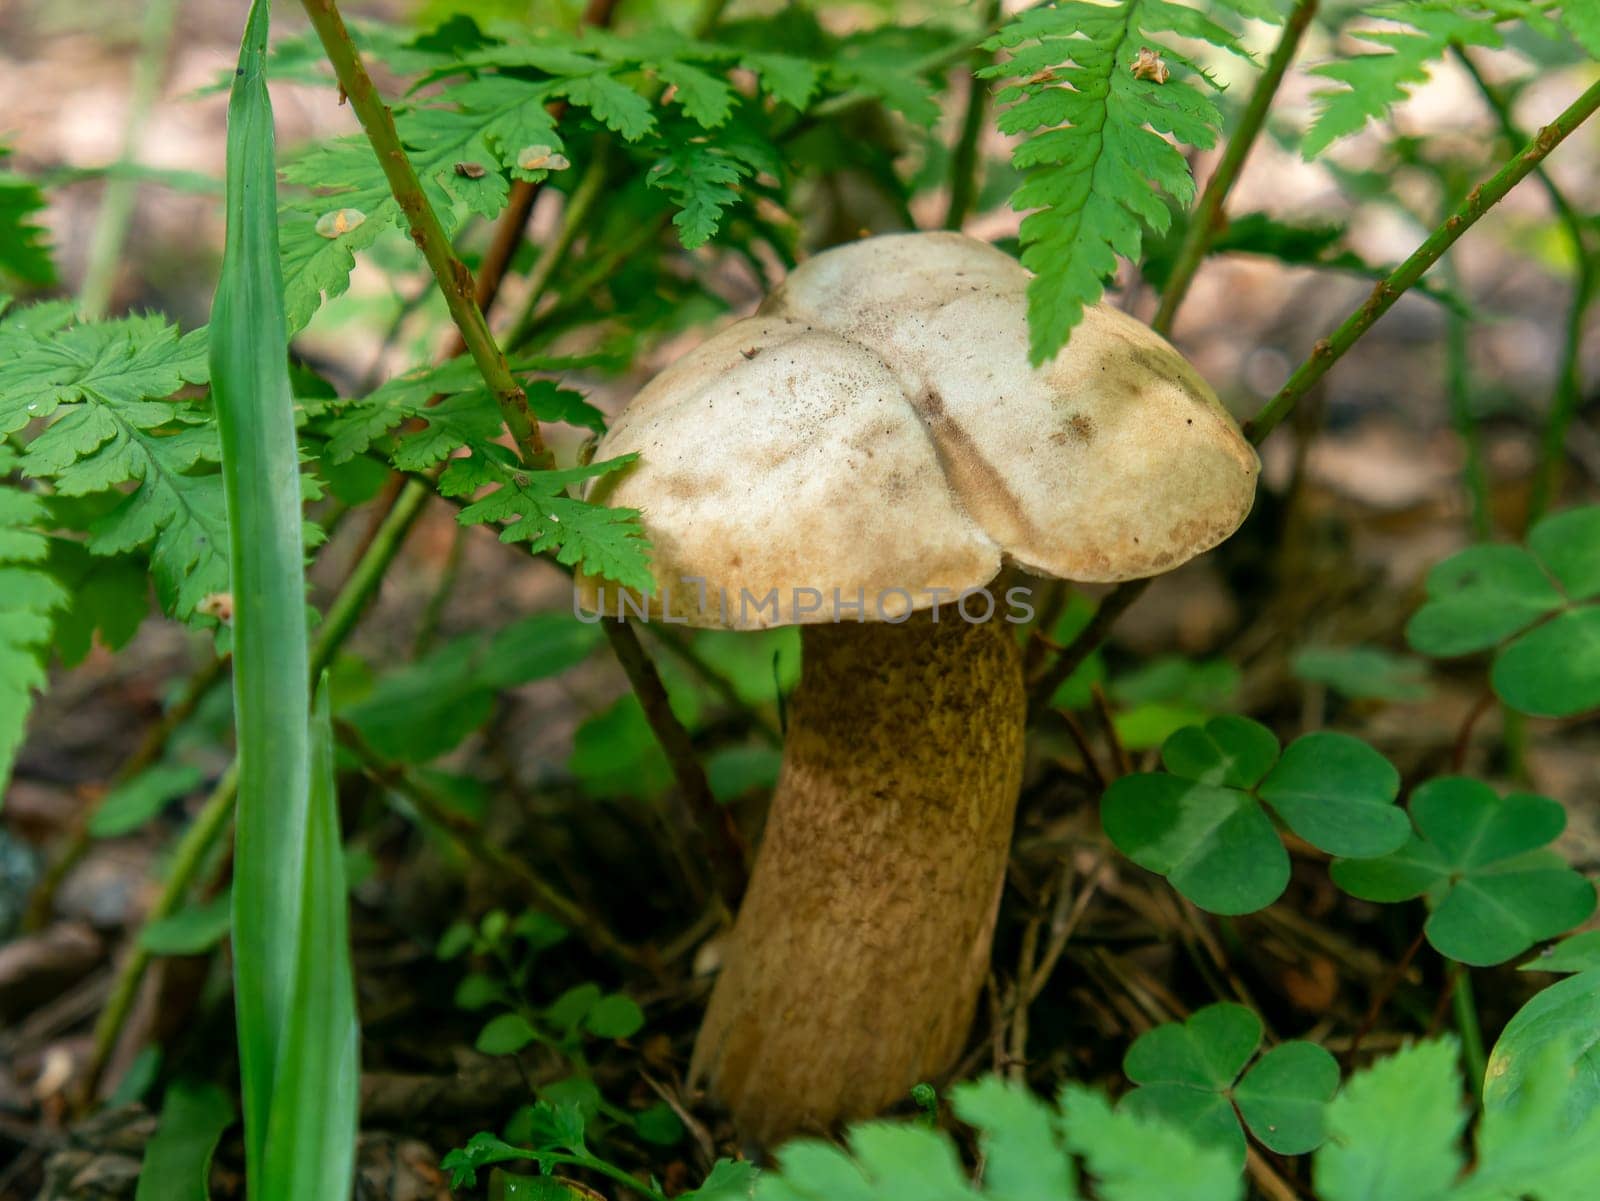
[
  {"x": 1532, "y": 600},
  {"x": 1189, "y": 1076},
  {"x": 1478, "y": 859},
  {"x": 1203, "y": 823}
]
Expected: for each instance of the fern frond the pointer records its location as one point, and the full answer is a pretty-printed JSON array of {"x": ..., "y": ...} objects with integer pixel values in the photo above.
[
  {"x": 104, "y": 388},
  {"x": 1097, "y": 159},
  {"x": 33, "y": 596},
  {"x": 533, "y": 507},
  {"x": 1417, "y": 34},
  {"x": 24, "y": 252}
]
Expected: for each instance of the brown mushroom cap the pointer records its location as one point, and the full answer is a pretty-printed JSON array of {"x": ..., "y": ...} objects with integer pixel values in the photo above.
[{"x": 877, "y": 427}]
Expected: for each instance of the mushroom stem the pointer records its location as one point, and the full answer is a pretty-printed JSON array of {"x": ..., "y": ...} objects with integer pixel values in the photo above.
[{"x": 855, "y": 965}]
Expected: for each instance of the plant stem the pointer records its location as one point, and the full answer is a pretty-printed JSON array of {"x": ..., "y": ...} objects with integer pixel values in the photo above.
[
  {"x": 1207, "y": 220},
  {"x": 466, "y": 834},
  {"x": 454, "y": 280},
  {"x": 367, "y": 574},
  {"x": 1380, "y": 998},
  {"x": 723, "y": 845},
  {"x": 187, "y": 858},
  {"x": 116, "y": 203},
  {"x": 1483, "y": 197},
  {"x": 576, "y": 216},
  {"x": 1466, "y": 1014},
  {"x": 1569, "y": 378},
  {"x": 1111, "y": 607},
  {"x": 964, "y": 162},
  {"x": 1458, "y": 376}
]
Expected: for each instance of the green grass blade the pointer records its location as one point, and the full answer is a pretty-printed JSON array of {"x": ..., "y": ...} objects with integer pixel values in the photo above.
[
  {"x": 177, "y": 1161},
  {"x": 311, "y": 1132},
  {"x": 296, "y": 1047}
]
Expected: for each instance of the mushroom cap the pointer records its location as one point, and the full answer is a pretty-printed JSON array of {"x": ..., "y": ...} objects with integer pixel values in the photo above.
[{"x": 874, "y": 440}]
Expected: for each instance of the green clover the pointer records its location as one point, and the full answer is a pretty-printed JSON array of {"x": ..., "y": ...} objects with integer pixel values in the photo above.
[
  {"x": 1531, "y": 600},
  {"x": 1189, "y": 1076},
  {"x": 1479, "y": 860},
  {"x": 1203, "y": 823}
]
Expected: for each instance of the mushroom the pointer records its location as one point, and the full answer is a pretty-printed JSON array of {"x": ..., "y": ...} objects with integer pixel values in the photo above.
[{"x": 862, "y": 457}]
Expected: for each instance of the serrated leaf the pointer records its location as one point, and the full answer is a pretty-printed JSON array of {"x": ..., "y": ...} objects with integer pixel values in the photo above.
[
  {"x": 1096, "y": 159},
  {"x": 1393, "y": 1130},
  {"x": 531, "y": 506},
  {"x": 1374, "y": 82},
  {"x": 1023, "y": 1156},
  {"x": 24, "y": 247},
  {"x": 614, "y": 104},
  {"x": 1136, "y": 1160}
]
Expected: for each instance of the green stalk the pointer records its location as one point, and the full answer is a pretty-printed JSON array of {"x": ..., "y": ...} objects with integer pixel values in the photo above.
[
  {"x": 1482, "y": 198},
  {"x": 1466, "y": 1015},
  {"x": 297, "y": 1057},
  {"x": 1569, "y": 378},
  {"x": 454, "y": 280},
  {"x": 1458, "y": 377},
  {"x": 116, "y": 203},
  {"x": 965, "y": 162},
  {"x": 1207, "y": 220}
]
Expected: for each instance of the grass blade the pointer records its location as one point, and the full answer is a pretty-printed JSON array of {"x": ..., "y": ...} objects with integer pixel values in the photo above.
[
  {"x": 312, "y": 1128},
  {"x": 177, "y": 1161},
  {"x": 293, "y": 995}
]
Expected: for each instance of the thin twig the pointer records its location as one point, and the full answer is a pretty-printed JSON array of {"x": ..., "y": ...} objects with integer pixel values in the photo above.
[
  {"x": 1569, "y": 378},
  {"x": 191, "y": 852},
  {"x": 1111, "y": 607},
  {"x": 121, "y": 188},
  {"x": 454, "y": 280},
  {"x": 1329, "y": 350},
  {"x": 1102, "y": 709},
  {"x": 966, "y": 160},
  {"x": 724, "y": 846},
  {"x": 1207, "y": 220},
  {"x": 1381, "y": 998},
  {"x": 533, "y": 888}
]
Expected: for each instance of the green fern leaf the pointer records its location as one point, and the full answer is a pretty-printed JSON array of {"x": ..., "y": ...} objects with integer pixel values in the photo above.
[
  {"x": 33, "y": 596},
  {"x": 1393, "y": 1130},
  {"x": 1582, "y": 20},
  {"x": 1135, "y": 1160},
  {"x": 105, "y": 385},
  {"x": 1095, "y": 155},
  {"x": 704, "y": 184},
  {"x": 533, "y": 507},
  {"x": 613, "y": 103},
  {"x": 23, "y": 250}
]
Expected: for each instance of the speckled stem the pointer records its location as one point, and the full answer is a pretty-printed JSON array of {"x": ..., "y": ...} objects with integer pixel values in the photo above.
[{"x": 860, "y": 949}]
